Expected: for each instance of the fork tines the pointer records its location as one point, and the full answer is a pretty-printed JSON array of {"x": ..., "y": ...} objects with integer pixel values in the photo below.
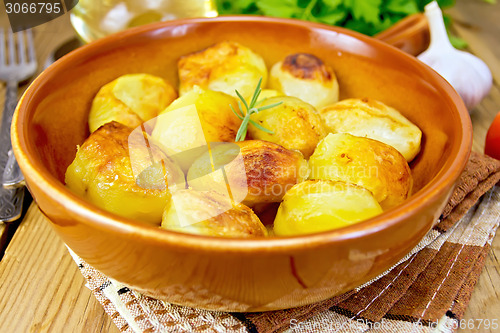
[{"x": 20, "y": 39}]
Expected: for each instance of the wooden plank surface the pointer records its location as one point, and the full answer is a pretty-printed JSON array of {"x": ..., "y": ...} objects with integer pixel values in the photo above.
[
  {"x": 42, "y": 290},
  {"x": 478, "y": 23}
]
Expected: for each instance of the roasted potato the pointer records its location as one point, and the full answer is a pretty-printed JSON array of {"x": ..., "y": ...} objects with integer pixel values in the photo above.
[
  {"x": 373, "y": 119},
  {"x": 305, "y": 76},
  {"x": 131, "y": 100},
  {"x": 193, "y": 120},
  {"x": 210, "y": 213},
  {"x": 267, "y": 93},
  {"x": 295, "y": 124},
  {"x": 103, "y": 173},
  {"x": 225, "y": 66},
  {"x": 368, "y": 163},
  {"x": 320, "y": 205},
  {"x": 256, "y": 171}
]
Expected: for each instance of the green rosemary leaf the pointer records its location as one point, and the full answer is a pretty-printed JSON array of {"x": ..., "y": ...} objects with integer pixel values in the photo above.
[
  {"x": 242, "y": 131},
  {"x": 242, "y": 99},
  {"x": 250, "y": 109},
  {"x": 265, "y": 107},
  {"x": 241, "y": 108},
  {"x": 244, "y": 134},
  {"x": 237, "y": 115},
  {"x": 256, "y": 94}
]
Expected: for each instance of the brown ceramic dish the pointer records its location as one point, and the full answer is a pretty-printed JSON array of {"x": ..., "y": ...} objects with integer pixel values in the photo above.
[
  {"x": 411, "y": 34},
  {"x": 233, "y": 274}
]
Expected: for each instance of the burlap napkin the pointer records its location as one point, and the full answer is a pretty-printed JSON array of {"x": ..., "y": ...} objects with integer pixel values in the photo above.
[{"x": 428, "y": 290}]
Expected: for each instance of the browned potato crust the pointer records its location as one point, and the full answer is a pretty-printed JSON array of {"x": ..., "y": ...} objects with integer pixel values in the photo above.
[
  {"x": 307, "y": 66},
  {"x": 368, "y": 163},
  {"x": 209, "y": 213},
  {"x": 130, "y": 99},
  {"x": 295, "y": 124},
  {"x": 268, "y": 171},
  {"x": 225, "y": 66},
  {"x": 305, "y": 76},
  {"x": 271, "y": 170},
  {"x": 373, "y": 119},
  {"x": 103, "y": 173}
]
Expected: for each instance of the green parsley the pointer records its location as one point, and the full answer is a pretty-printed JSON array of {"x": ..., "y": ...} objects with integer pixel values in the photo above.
[{"x": 365, "y": 16}]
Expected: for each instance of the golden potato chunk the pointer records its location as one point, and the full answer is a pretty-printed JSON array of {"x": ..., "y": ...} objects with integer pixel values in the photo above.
[
  {"x": 103, "y": 173},
  {"x": 305, "y": 76},
  {"x": 368, "y": 163},
  {"x": 131, "y": 100},
  {"x": 194, "y": 119},
  {"x": 211, "y": 214},
  {"x": 295, "y": 124},
  {"x": 225, "y": 66},
  {"x": 320, "y": 205},
  {"x": 267, "y": 93},
  {"x": 256, "y": 171},
  {"x": 373, "y": 119}
]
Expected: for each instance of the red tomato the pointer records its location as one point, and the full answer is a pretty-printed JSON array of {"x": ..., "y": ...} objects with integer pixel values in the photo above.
[{"x": 492, "y": 143}]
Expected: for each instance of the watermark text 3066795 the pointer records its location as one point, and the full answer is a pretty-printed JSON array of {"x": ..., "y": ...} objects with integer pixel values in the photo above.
[
  {"x": 25, "y": 14},
  {"x": 33, "y": 7}
]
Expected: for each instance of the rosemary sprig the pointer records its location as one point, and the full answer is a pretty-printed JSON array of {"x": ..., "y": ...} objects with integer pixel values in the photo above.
[{"x": 251, "y": 108}]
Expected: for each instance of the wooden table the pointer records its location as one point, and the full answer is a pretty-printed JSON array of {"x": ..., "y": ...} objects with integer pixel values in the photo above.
[{"x": 41, "y": 288}]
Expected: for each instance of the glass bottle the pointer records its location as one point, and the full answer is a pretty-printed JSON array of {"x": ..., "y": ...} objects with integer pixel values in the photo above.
[{"x": 93, "y": 19}]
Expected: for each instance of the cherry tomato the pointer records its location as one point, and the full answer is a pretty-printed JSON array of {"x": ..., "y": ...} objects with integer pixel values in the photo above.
[{"x": 492, "y": 143}]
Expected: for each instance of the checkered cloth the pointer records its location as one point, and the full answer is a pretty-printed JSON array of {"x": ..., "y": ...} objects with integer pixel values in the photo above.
[{"x": 426, "y": 291}]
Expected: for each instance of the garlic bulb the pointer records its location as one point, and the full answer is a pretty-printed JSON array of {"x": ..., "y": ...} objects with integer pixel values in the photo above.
[{"x": 468, "y": 74}]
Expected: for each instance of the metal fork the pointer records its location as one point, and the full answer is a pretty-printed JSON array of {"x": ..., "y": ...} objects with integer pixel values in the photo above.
[{"x": 13, "y": 69}]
